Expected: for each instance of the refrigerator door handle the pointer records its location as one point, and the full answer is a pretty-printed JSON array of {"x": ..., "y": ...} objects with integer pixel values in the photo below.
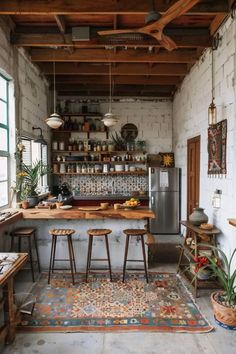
[{"x": 152, "y": 200}]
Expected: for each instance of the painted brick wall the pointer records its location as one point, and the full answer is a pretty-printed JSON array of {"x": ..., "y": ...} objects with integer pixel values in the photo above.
[{"x": 190, "y": 119}]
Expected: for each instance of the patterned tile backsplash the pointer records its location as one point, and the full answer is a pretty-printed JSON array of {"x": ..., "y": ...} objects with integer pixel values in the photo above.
[{"x": 96, "y": 185}]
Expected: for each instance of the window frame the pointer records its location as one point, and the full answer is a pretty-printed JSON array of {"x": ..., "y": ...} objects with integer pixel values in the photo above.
[
  {"x": 6, "y": 153},
  {"x": 40, "y": 157}
]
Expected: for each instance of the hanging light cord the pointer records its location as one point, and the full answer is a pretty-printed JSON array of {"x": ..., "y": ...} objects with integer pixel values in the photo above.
[
  {"x": 110, "y": 87},
  {"x": 212, "y": 74},
  {"x": 54, "y": 88}
]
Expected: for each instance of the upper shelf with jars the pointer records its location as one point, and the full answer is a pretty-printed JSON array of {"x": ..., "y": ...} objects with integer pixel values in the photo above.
[{"x": 82, "y": 123}]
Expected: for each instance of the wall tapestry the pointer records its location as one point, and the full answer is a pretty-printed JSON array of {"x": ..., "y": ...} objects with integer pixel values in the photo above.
[{"x": 217, "y": 138}]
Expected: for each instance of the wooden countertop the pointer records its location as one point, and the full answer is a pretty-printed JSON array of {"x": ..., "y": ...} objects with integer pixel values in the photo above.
[
  {"x": 232, "y": 222},
  {"x": 75, "y": 213}
]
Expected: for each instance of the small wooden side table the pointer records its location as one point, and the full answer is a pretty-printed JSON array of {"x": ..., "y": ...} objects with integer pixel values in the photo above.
[
  {"x": 189, "y": 252},
  {"x": 8, "y": 331}
]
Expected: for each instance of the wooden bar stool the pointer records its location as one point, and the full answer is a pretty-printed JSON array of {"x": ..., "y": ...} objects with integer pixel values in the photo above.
[
  {"x": 29, "y": 233},
  {"x": 62, "y": 232},
  {"x": 140, "y": 233},
  {"x": 92, "y": 233}
]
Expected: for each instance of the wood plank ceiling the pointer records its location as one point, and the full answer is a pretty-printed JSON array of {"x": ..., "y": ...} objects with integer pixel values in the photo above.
[{"x": 141, "y": 66}]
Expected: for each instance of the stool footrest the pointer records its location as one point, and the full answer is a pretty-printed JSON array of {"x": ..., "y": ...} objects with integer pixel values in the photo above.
[
  {"x": 63, "y": 260},
  {"x": 100, "y": 268},
  {"x": 98, "y": 259},
  {"x": 130, "y": 269},
  {"x": 135, "y": 260}
]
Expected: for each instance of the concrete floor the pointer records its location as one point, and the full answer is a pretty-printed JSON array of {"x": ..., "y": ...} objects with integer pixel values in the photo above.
[{"x": 218, "y": 342}]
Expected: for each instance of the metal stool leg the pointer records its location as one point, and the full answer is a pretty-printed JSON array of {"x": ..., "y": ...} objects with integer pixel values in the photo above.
[
  {"x": 108, "y": 256},
  {"x": 37, "y": 251},
  {"x": 54, "y": 252},
  {"x": 50, "y": 264},
  {"x": 12, "y": 244},
  {"x": 31, "y": 257},
  {"x": 125, "y": 257},
  {"x": 70, "y": 258},
  {"x": 72, "y": 252},
  {"x": 89, "y": 256},
  {"x": 19, "y": 244},
  {"x": 144, "y": 257}
]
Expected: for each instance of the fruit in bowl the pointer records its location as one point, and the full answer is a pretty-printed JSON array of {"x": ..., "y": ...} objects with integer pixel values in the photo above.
[{"x": 132, "y": 203}]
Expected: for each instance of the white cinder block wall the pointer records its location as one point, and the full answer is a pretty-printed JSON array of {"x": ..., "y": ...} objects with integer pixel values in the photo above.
[
  {"x": 190, "y": 119},
  {"x": 153, "y": 119},
  {"x": 28, "y": 88},
  {"x": 28, "y": 93}
]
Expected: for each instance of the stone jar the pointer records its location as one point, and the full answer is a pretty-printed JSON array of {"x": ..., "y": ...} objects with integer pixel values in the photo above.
[{"x": 198, "y": 217}]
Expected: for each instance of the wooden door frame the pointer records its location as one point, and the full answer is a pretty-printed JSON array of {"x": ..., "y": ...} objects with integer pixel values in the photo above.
[{"x": 196, "y": 139}]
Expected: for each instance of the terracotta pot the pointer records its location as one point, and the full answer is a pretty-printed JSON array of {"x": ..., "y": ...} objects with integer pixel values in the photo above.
[
  {"x": 25, "y": 204},
  {"x": 223, "y": 314}
]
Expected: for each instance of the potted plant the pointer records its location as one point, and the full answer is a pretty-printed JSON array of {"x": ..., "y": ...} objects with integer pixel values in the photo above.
[
  {"x": 30, "y": 175},
  {"x": 223, "y": 301}
]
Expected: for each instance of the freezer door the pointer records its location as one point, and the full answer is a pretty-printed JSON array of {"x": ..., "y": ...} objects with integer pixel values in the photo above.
[
  {"x": 166, "y": 207},
  {"x": 163, "y": 179}
]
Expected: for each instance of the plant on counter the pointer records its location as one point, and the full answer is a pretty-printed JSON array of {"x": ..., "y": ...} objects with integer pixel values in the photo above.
[
  {"x": 224, "y": 302},
  {"x": 28, "y": 179}
]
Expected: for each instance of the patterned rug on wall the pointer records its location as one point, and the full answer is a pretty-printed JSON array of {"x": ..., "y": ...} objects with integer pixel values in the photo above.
[{"x": 100, "y": 305}]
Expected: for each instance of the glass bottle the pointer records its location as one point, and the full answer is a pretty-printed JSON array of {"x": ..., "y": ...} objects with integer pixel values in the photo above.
[
  {"x": 104, "y": 146},
  {"x": 75, "y": 146},
  {"x": 80, "y": 146},
  {"x": 99, "y": 147}
]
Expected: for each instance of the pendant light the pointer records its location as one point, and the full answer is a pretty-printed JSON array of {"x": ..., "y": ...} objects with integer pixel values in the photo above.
[
  {"x": 212, "y": 112},
  {"x": 109, "y": 118},
  {"x": 55, "y": 120}
]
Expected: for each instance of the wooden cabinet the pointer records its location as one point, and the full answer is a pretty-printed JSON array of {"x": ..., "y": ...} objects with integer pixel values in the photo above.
[{"x": 193, "y": 248}]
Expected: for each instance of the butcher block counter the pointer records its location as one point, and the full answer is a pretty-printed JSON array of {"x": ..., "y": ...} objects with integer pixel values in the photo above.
[
  {"x": 75, "y": 213},
  {"x": 82, "y": 220}
]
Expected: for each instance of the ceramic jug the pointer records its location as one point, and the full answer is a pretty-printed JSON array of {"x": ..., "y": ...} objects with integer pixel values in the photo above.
[{"x": 198, "y": 216}]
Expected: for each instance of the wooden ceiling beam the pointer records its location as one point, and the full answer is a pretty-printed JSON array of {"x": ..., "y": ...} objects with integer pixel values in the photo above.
[
  {"x": 61, "y": 23},
  {"x": 58, "y": 7},
  {"x": 51, "y": 40},
  {"x": 124, "y": 88},
  {"x": 121, "y": 69},
  {"x": 215, "y": 24},
  {"x": 133, "y": 93},
  {"x": 119, "y": 80},
  {"x": 122, "y": 56}
]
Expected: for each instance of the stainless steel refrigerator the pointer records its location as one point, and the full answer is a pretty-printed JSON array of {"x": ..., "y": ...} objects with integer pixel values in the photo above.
[{"x": 164, "y": 199}]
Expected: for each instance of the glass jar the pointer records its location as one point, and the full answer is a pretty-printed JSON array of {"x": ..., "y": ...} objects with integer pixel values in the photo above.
[
  {"x": 61, "y": 145},
  {"x": 78, "y": 168},
  {"x": 84, "y": 168},
  {"x": 55, "y": 168},
  {"x": 55, "y": 145},
  {"x": 111, "y": 146}
]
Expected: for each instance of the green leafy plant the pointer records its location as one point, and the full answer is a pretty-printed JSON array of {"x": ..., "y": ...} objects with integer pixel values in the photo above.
[
  {"x": 29, "y": 178},
  {"x": 119, "y": 142},
  {"x": 221, "y": 267}
]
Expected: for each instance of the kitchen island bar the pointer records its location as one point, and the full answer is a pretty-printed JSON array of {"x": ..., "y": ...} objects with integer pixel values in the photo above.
[{"x": 82, "y": 220}]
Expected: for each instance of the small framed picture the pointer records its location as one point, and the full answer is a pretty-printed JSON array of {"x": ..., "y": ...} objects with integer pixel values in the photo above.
[{"x": 167, "y": 159}]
